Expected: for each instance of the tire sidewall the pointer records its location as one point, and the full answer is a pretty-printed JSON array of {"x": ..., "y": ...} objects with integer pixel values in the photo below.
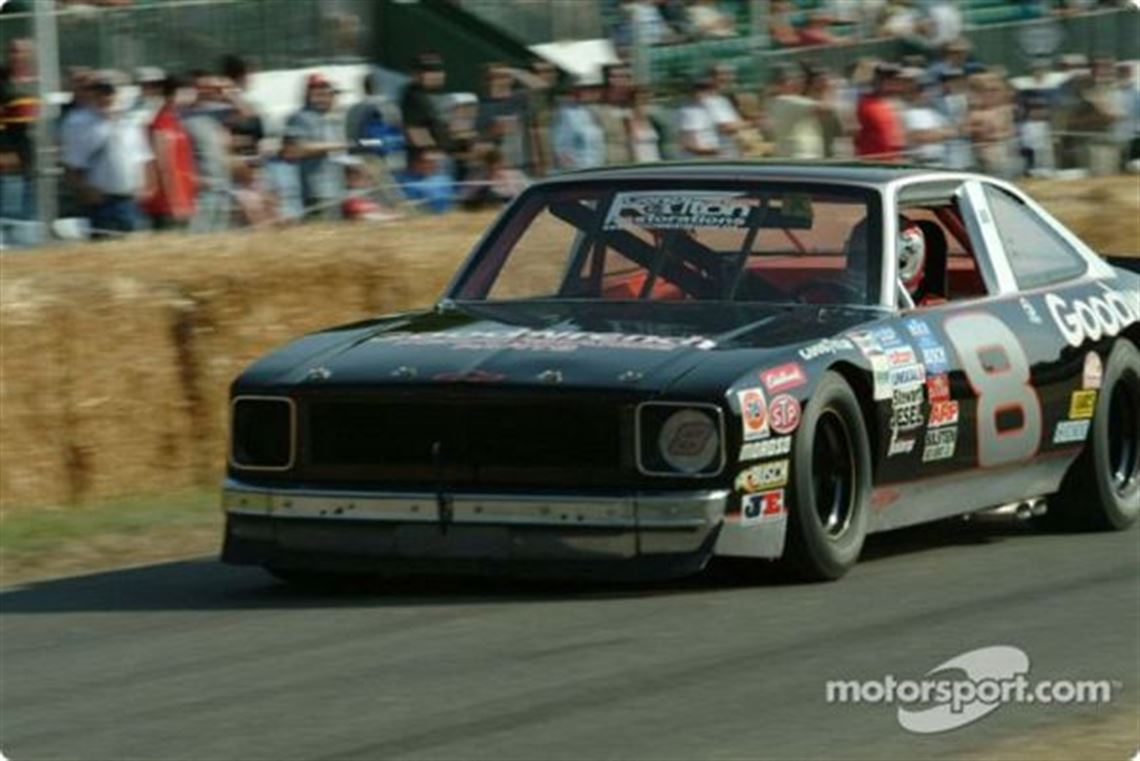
[
  {"x": 827, "y": 557},
  {"x": 1119, "y": 510}
]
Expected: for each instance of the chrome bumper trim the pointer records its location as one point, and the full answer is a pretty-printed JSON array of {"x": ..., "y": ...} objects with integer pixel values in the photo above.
[{"x": 635, "y": 524}]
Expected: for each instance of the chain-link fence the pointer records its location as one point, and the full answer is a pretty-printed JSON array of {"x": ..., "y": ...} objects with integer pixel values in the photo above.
[{"x": 187, "y": 34}]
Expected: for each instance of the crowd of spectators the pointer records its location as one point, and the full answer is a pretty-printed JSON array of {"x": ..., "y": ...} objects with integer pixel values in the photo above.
[
  {"x": 196, "y": 152},
  {"x": 928, "y": 24}
]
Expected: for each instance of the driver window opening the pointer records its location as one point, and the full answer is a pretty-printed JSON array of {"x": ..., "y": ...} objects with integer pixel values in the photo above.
[{"x": 937, "y": 256}]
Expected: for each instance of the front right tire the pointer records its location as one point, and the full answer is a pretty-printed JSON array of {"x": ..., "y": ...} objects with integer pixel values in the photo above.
[{"x": 1102, "y": 489}]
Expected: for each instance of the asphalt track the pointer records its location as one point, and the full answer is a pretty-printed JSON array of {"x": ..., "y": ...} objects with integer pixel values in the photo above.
[{"x": 194, "y": 660}]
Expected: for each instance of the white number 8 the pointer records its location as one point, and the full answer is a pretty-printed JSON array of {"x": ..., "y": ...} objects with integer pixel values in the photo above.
[{"x": 998, "y": 371}]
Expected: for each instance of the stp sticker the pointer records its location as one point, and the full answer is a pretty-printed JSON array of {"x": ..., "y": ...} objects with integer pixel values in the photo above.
[
  {"x": 758, "y": 450},
  {"x": 766, "y": 506},
  {"x": 938, "y": 387},
  {"x": 783, "y": 377},
  {"x": 1082, "y": 404},
  {"x": 753, "y": 413},
  {"x": 943, "y": 413},
  {"x": 784, "y": 414},
  {"x": 766, "y": 475},
  {"x": 1093, "y": 372}
]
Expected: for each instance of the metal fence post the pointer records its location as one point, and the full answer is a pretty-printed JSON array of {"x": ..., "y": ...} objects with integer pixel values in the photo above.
[{"x": 47, "y": 71}]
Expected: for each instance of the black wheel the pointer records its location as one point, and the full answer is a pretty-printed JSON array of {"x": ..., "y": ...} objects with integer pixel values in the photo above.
[
  {"x": 832, "y": 484},
  {"x": 1102, "y": 490}
]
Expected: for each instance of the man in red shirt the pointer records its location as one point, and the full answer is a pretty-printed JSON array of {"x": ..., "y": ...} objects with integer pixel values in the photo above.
[
  {"x": 172, "y": 203},
  {"x": 881, "y": 135}
]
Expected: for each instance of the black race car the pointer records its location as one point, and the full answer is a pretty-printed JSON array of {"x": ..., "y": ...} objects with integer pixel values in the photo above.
[{"x": 638, "y": 369}]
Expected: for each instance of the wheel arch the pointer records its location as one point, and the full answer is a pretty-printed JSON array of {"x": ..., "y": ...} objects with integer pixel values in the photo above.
[{"x": 861, "y": 384}]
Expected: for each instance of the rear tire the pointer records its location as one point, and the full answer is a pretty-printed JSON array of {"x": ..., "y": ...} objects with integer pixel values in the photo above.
[
  {"x": 831, "y": 490},
  {"x": 1102, "y": 489}
]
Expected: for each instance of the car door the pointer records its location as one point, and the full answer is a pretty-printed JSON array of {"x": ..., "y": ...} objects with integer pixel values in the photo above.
[{"x": 995, "y": 381}]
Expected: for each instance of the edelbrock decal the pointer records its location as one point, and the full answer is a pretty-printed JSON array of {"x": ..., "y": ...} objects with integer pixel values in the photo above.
[
  {"x": 1093, "y": 373},
  {"x": 783, "y": 378}
]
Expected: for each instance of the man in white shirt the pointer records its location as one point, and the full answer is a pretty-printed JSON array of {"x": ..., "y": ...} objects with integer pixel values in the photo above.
[
  {"x": 926, "y": 129},
  {"x": 727, "y": 119},
  {"x": 697, "y": 127},
  {"x": 108, "y": 163},
  {"x": 793, "y": 118}
]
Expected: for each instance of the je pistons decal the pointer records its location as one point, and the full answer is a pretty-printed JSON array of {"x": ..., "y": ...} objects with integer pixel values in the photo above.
[{"x": 758, "y": 508}]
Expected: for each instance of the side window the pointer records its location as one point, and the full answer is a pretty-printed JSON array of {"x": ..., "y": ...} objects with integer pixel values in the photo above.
[{"x": 1037, "y": 254}]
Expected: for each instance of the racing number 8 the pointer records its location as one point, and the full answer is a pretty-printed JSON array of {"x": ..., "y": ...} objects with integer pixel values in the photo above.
[{"x": 1008, "y": 410}]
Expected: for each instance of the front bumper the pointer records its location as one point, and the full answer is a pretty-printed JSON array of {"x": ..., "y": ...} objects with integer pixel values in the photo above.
[{"x": 641, "y": 534}]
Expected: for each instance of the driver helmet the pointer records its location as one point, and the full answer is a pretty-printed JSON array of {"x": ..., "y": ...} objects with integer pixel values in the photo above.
[{"x": 912, "y": 255}]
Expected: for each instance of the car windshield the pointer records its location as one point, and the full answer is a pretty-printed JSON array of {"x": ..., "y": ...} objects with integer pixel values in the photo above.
[{"x": 785, "y": 243}]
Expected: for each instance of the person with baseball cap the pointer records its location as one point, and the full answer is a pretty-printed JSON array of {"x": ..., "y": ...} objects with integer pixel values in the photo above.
[{"x": 319, "y": 140}]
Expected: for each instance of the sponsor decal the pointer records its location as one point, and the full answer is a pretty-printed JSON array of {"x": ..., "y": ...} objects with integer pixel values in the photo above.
[
  {"x": 866, "y": 343},
  {"x": 940, "y": 444},
  {"x": 1093, "y": 373},
  {"x": 881, "y": 376},
  {"x": 935, "y": 359},
  {"x": 1030, "y": 311},
  {"x": 900, "y": 446},
  {"x": 525, "y": 339},
  {"x": 901, "y": 357},
  {"x": 943, "y": 413},
  {"x": 784, "y": 414},
  {"x": 681, "y": 210},
  {"x": 759, "y": 450},
  {"x": 918, "y": 328},
  {"x": 758, "y": 508},
  {"x": 1082, "y": 404},
  {"x": 906, "y": 409},
  {"x": 1093, "y": 317},
  {"x": 938, "y": 387},
  {"x": 1071, "y": 431},
  {"x": 888, "y": 338},
  {"x": 784, "y": 377},
  {"x": 825, "y": 348},
  {"x": 911, "y": 375},
  {"x": 753, "y": 413},
  {"x": 762, "y": 477}
]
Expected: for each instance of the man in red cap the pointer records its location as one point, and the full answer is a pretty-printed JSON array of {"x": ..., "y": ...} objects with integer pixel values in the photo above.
[{"x": 319, "y": 138}]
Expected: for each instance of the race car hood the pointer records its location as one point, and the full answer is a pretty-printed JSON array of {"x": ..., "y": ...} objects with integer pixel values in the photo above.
[{"x": 572, "y": 345}]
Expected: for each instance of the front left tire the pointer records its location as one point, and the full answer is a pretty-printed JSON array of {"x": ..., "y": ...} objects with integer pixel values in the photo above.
[{"x": 831, "y": 491}]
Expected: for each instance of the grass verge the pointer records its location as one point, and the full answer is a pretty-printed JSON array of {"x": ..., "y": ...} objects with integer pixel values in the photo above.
[{"x": 57, "y": 540}]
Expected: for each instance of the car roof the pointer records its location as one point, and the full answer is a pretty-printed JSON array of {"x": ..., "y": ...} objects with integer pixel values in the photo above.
[{"x": 862, "y": 173}]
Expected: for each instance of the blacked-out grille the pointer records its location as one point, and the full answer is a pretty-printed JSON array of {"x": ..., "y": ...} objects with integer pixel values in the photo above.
[{"x": 464, "y": 441}]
